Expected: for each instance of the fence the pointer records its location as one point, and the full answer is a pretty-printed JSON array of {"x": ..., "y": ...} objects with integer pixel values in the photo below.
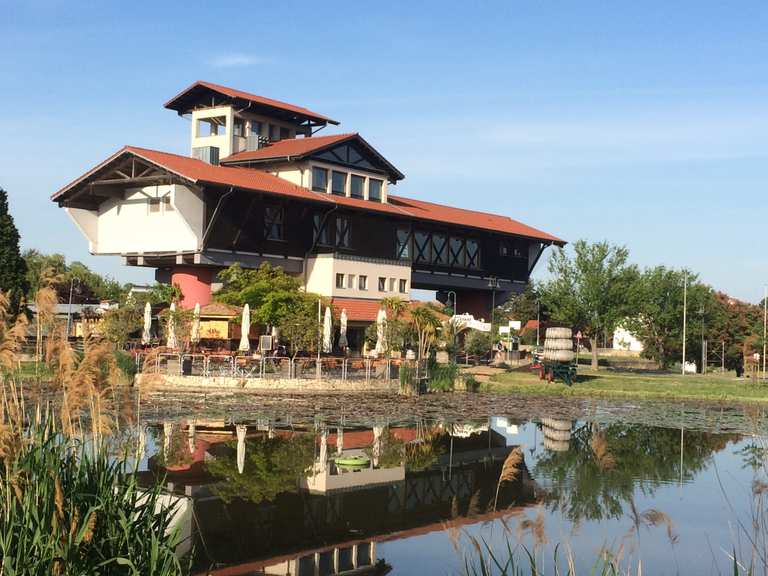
[{"x": 273, "y": 367}]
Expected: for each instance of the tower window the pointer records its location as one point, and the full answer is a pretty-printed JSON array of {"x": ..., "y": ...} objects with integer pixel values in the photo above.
[
  {"x": 319, "y": 179},
  {"x": 362, "y": 282},
  {"x": 382, "y": 284},
  {"x": 339, "y": 280},
  {"x": 403, "y": 245},
  {"x": 320, "y": 229},
  {"x": 214, "y": 126},
  {"x": 403, "y": 286},
  {"x": 342, "y": 232}
]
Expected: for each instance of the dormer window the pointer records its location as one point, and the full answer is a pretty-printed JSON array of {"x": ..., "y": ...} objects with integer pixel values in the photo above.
[
  {"x": 374, "y": 189},
  {"x": 357, "y": 186},
  {"x": 339, "y": 183},
  {"x": 319, "y": 179}
]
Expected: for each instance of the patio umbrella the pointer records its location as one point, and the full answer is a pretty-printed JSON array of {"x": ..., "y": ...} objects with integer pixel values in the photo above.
[
  {"x": 171, "y": 340},
  {"x": 381, "y": 331},
  {"x": 241, "y": 429},
  {"x": 195, "y": 335},
  {"x": 339, "y": 440},
  {"x": 245, "y": 328},
  {"x": 343, "y": 330},
  {"x": 146, "y": 335},
  {"x": 327, "y": 331}
]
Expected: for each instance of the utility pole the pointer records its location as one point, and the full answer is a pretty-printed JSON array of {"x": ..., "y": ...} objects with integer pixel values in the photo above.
[
  {"x": 685, "y": 313},
  {"x": 703, "y": 344}
]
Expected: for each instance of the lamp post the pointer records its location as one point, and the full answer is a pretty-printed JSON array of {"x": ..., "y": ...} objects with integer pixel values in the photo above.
[
  {"x": 453, "y": 300},
  {"x": 538, "y": 321},
  {"x": 685, "y": 313},
  {"x": 703, "y": 343},
  {"x": 493, "y": 283}
]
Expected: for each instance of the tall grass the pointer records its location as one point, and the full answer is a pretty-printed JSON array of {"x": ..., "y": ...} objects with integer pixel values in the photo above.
[{"x": 70, "y": 503}]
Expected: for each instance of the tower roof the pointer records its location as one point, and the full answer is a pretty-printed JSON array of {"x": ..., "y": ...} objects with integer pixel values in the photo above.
[{"x": 208, "y": 93}]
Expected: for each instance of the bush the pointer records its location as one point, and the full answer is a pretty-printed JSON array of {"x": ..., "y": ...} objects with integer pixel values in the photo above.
[
  {"x": 125, "y": 362},
  {"x": 477, "y": 343},
  {"x": 471, "y": 383},
  {"x": 442, "y": 377}
]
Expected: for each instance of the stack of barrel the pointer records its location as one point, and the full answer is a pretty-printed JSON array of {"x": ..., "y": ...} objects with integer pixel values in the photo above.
[{"x": 558, "y": 345}]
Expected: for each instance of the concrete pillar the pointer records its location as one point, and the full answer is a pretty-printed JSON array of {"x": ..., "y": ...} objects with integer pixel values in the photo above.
[{"x": 195, "y": 283}]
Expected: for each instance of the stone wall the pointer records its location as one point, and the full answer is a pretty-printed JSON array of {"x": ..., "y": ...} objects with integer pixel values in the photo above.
[{"x": 176, "y": 382}]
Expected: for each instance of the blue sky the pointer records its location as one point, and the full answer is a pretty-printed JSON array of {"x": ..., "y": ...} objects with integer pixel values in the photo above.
[{"x": 645, "y": 124}]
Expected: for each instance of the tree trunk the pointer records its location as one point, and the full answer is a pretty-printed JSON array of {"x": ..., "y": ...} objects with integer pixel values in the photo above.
[{"x": 593, "y": 344}]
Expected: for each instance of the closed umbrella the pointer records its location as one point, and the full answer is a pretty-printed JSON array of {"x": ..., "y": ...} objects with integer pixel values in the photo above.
[
  {"x": 343, "y": 344},
  {"x": 381, "y": 331},
  {"x": 327, "y": 331},
  {"x": 245, "y": 328},
  {"x": 171, "y": 341},
  {"x": 323, "y": 451},
  {"x": 195, "y": 335},
  {"x": 241, "y": 429},
  {"x": 377, "y": 432},
  {"x": 146, "y": 334}
]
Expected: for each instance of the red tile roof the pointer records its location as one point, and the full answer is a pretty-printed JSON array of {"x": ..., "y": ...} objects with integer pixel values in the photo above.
[
  {"x": 360, "y": 310},
  {"x": 288, "y": 148},
  {"x": 295, "y": 148},
  {"x": 199, "y": 172},
  {"x": 177, "y": 102}
]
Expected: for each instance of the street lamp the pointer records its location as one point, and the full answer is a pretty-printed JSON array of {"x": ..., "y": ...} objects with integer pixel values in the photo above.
[
  {"x": 493, "y": 283},
  {"x": 538, "y": 321},
  {"x": 455, "y": 309}
]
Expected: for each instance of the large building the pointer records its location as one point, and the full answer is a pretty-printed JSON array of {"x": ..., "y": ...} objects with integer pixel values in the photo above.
[{"x": 260, "y": 186}]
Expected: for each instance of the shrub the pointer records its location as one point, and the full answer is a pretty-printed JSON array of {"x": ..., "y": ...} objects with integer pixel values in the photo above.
[{"x": 442, "y": 377}]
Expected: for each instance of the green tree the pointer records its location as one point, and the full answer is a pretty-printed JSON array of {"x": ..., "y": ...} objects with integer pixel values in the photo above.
[
  {"x": 522, "y": 306},
  {"x": 271, "y": 294},
  {"x": 476, "y": 342},
  {"x": 118, "y": 324},
  {"x": 13, "y": 269},
  {"x": 300, "y": 330},
  {"x": 592, "y": 290}
]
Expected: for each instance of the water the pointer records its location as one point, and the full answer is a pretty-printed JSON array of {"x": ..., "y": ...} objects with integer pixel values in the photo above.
[{"x": 671, "y": 485}]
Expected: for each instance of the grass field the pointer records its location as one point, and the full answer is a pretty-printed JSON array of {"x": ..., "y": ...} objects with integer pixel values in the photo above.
[{"x": 608, "y": 384}]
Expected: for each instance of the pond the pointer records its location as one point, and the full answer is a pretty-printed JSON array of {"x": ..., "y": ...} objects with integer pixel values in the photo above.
[{"x": 355, "y": 484}]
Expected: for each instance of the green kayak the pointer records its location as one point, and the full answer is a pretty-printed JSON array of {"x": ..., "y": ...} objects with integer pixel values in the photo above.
[{"x": 353, "y": 462}]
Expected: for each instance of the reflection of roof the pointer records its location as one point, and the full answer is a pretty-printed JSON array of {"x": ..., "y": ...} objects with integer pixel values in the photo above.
[
  {"x": 187, "y": 98},
  {"x": 363, "y": 438},
  {"x": 200, "y": 173}
]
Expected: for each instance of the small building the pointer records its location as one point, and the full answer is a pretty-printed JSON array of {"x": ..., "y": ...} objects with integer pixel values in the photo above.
[{"x": 624, "y": 340}]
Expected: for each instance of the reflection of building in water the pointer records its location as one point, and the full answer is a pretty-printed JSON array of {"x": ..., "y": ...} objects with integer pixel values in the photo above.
[
  {"x": 428, "y": 478},
  {"x": 557, "y": 434}
]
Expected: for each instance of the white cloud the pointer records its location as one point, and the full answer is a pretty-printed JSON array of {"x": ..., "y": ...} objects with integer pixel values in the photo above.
[{"x": 236, "y": 60}]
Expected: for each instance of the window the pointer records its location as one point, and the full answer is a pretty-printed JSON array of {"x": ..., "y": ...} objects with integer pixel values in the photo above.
[
  {"x": 356, "y": 185},
  {"x": 339, "y": 280},
  {"x": 342, "y": 232},
  {"x": 362, "y": 282},
  {"x": 403, "y": 245},
  {"x": 214, "y": 126},
  {"x": 392, "y": 284},
  {"x": 154, "y": 205},
  {"x": 456, "y": 252},
  {"x": 274, "y": 222},
  {"x": 421, "y": 246},
  {"x": 256, "y": 128},
  {"x": 238, "y": 128},
  {"x": 403, "y": 286},
  {"x": 339, "y": 183},
  {"x": 319, "y": 179},
  {"x": 320, "y": 234},
  {"x": 284, "y": 133},
  {"x": 374, "y": 189},
  {"x": 350, "y": 281},
  {"x": 439, "y": 250},
  {"x": 473, "y": 254},
  {"x": 382, "y": 284},
  {"x": 274, "y": 131},
  {"x": 167, "y": 206}
]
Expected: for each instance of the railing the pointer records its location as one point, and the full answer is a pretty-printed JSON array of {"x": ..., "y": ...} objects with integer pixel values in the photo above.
[{"x": 273, "y": 367}]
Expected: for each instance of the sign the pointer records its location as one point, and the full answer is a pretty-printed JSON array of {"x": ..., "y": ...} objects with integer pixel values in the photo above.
[
  {"x": 515, "y": 325},
  {"x": 503, "y": 329}
]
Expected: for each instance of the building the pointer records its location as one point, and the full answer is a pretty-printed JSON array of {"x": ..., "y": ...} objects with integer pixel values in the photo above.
[
  {"x": 624, "y": 340},
  {"x": 260, "y": 185}
]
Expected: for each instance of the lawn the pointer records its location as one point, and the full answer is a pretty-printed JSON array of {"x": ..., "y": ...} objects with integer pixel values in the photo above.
[{"x": 613, "y": 384}]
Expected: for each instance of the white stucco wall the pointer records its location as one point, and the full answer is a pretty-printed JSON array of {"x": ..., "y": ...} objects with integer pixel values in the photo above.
[
  {"x": 126, "y": 226},
  {"x": 322, "y": 270}
]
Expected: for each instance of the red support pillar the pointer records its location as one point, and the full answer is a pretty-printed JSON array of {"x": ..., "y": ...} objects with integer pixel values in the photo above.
[{"x": 195, "y": 283}]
